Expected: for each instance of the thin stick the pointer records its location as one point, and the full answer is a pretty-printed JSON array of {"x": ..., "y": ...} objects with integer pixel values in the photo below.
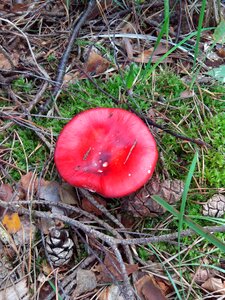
[{"x": 63, "y": 62}]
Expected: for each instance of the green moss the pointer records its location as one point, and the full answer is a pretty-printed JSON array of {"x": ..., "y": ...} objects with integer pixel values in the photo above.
[{"x": 178, "y": 155}]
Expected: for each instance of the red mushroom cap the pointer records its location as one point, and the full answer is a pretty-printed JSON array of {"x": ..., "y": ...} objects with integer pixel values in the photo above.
[{"x": 107, "y": 150}]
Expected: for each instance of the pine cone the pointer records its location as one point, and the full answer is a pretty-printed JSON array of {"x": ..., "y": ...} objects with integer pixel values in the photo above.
[
  {"x": 59, "y": 247},
  {"x": 142, "y": 205},
  {"x": 215, "y": 206}
]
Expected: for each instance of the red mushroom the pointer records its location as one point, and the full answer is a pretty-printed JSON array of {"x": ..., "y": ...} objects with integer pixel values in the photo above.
[{"x": 106, "y": 150}]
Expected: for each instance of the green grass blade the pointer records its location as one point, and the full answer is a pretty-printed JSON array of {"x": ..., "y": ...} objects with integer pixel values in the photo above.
[
  {"x": 185, "y": 193},
  {"x": 195, "y": 227},
  {"x": 200, "y": 22},
  {"x": 54, "y": 289},
  {"x": 167, "y": 17},
  {"x": 149, "y": 70}
]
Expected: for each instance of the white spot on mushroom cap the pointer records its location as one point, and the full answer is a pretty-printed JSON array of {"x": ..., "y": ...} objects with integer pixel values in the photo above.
[
  {"x": 129, "y": 174},
  {"x": 100, "y": 171},
  {"x": 105, "y": 164}
]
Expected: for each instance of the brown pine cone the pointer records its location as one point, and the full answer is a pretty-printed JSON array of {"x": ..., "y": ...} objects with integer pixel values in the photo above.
[
  {"x": 142, "y": 205},
  {"x": 59, "y": 247}
]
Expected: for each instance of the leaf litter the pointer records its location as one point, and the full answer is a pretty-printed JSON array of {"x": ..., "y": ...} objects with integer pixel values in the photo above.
[{"x": 30, "y": 50}]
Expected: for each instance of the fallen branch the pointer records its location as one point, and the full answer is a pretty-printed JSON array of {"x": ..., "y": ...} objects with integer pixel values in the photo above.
[{"x": 63, "y": 62}]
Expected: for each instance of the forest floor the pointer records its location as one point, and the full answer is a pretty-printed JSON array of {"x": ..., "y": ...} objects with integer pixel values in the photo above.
[{"x": 164, "y": 61}]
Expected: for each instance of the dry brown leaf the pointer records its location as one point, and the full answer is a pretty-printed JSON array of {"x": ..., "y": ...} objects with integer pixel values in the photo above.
[
  {"x": 30, "y": 182},
  {"x": 5, "y": 63},
  {"x": 89, "y": 207},
  {"x": 6, "y": 192},
  {"x": 214, "y": 285},
  {"x": 18, "y": 290},
  {"x": 45, "y": 224},
  {"x": 187, "y": 94},
  {"x": 71, "y": 77},
  {"x": 26, "y": 233},
  {"x": 68, "y": 194},
  {"x": 148, "y": 289},
  {"x": 50, "y": 192},
  {"x": 112, "y": 292},
  {"x": 99, "y": 8},
  {"x": 128, "y": 47},
  {"x": 201, "y": 275},
  {"x": 110, "y": 269},
  {"x": 86, "y": 282},
  {"x": 147, "y": 54},
  {"x": 96, "y": 64},
  {"x": 12, "y": 222}
]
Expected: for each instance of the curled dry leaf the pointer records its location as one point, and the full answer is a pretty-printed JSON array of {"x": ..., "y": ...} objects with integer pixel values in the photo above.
[
  {"x": 214, "y": 285},
  {"x": 110, "y": 269},
  {"x": 154, "y": 55},
  {"x": 96, "y": 64},
  {"x": 86, "y": 282},
  {"x": 202, "y": 275},
  {"x": 26, "y": 233},
  {"x": 30, "y": 182},
  {"x": 215, "y": 206},
  {"x": 6, "y": 194},
  {"x": 50, "y": 192},
  {"x": 187, "y": 94},
  {"x": 89, "y": 207},
  {"x": 142, "y": 205},
  {"x": 7, "y": 63},
  {"x": 18, "y": 290},
  {"x": 112, "y": 292},
  {"x": 68, "y": 194},
  {"x": 148, "y": 289}
]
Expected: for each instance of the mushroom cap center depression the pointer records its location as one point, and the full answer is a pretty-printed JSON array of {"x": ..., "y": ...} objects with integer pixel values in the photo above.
[{"x": 107, "y": 150}]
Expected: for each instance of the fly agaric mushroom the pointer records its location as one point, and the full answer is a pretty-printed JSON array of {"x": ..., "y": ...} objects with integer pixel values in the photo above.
[{"x": 106, "y": 150}]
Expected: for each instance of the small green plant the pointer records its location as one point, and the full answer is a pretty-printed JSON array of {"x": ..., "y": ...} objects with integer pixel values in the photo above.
[{"x": 23, "y": 85}]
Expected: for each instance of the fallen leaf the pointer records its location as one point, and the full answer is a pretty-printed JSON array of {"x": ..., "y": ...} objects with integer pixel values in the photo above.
[
  {"x": 5, "y": 63},
  {"x": 112, "y": 292},
  {"x": 187, "y": 94},
  {"x": 50, "y": 192},
  {"x": 127, "y": 220},
  {"x": 89, "y": 207},
  {"x": 68, "y": 194},
  {"x": 45, "y": 225},
  {"x": 214, "y": 285},
  {"x": 30, "y": 182},
  {"x": 110, "y": 269},
  {"x": 26, "y": 233},
  {"x": 148, "y": 289},
  {"x": 201, "y": 275},
  {"x": 18, "y": 290},
  {"x": 86, "y": 282},
  {"x": 6, "y": 194},
  {"x": 12, "y": 222},
  {"x": 45, "y": 290},
  {"x": 96, "y": 64},
  {"x": 144, "y": 56}
]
